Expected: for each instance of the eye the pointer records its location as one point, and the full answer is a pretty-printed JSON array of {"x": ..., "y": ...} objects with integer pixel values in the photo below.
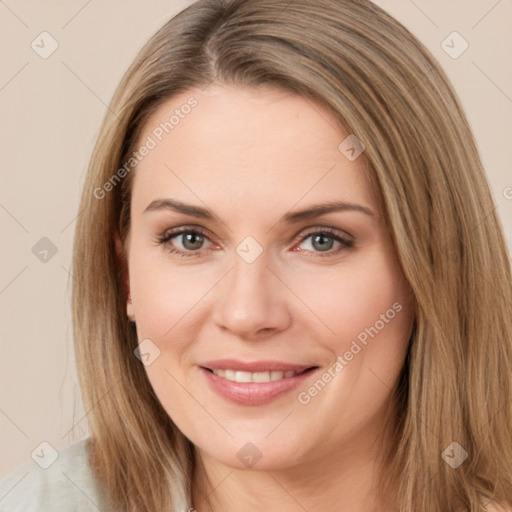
[
  {"x": 322, "y": 242},
  {"x": 190, "y": 239}
]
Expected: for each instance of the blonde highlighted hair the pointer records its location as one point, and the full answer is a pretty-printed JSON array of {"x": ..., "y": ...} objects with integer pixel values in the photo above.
[{"x": 382, "y": 85}]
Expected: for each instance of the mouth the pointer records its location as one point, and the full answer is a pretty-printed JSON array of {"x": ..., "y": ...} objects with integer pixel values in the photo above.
[
  {"x": 265, "y": 376},
  {"x": 254, "y": 383}
]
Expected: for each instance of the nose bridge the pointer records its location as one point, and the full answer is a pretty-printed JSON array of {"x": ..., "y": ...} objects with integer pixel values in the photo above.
[
  {"x": 250, "y": 299},
  {"x": 250, "y": 276},
  {"x": 250, "y": 260}
]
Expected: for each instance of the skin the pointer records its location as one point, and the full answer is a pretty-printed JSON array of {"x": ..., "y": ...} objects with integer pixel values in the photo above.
[{"x": 251, "y": 156}]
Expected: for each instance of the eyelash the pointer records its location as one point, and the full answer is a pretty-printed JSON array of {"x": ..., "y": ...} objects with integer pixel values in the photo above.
[{"x": 168, "y": 235}]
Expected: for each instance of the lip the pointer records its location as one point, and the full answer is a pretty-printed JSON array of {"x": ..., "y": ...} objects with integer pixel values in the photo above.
[{"x": 254, "y": 393}]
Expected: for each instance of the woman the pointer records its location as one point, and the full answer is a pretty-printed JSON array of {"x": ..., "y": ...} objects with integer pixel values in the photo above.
[{"x": 291, "y": 288}]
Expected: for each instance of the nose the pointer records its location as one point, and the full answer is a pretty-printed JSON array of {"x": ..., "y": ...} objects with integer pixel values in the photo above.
[{"x": 251, "y": 303}]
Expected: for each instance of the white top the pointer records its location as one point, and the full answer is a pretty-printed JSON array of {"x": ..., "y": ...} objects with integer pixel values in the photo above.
[{"x": 66, "y": 485}]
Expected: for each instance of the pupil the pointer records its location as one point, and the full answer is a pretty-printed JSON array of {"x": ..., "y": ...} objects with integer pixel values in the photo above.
[
  {"x": 324, "y": 246},
  {"x": 195, "y": 238}
]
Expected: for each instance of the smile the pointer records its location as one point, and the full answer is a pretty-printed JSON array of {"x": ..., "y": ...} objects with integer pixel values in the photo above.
[
  {"x": 255, "y": 383},
  {"x": 241, "y": 376}
]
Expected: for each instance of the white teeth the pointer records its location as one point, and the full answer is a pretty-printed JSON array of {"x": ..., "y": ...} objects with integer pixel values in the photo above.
[
  {"x": 261, "y": 377},
  {"x": 239, "y": 376},
  {"x": 243, "y": 377}
]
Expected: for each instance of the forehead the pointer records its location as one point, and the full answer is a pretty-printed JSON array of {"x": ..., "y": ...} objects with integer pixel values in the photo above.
[{"x": 245, "y": 144}]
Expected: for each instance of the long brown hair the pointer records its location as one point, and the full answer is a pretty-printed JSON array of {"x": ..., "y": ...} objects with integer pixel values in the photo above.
[{"x": 384, "y": 86}]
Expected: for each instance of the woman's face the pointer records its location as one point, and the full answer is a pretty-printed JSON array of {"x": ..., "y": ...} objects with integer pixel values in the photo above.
[{"x": 272, "y": 324}]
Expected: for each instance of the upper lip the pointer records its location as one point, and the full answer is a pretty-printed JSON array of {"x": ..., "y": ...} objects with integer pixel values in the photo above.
[{"x": 253, "y": 366}]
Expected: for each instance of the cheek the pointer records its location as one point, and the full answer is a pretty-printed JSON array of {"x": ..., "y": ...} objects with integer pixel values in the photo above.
[
  {"x": 354, "y": 302},
  {"x": 369, "y": 311},
  {"x": 164, "y": 296}
]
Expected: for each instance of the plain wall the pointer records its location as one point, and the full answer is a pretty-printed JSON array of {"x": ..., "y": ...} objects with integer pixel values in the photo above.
[{"x": 51, "y": 111}]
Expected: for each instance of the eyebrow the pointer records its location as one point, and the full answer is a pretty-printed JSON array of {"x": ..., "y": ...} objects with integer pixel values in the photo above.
[{"x": 291, "y": 217}]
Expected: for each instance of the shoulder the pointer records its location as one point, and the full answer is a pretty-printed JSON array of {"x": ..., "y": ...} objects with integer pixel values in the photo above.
[{"x": 52, "y": 481}]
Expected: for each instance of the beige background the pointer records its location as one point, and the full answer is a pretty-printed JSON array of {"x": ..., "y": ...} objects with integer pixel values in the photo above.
[{"x": 51, "y": 110}]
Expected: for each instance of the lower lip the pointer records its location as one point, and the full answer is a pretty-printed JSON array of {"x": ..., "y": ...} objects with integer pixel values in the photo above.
[{"x": 254, "y": 393}]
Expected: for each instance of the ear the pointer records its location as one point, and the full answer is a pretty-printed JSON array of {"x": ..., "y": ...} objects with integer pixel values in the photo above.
[{"x": 125, "y": 276}]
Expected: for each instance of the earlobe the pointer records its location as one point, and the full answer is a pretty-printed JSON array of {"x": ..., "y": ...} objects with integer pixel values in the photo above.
[
  {"x": 129, "y": 304},
  {"x": 129, "y": 311},
  {"x": 121, "y": 255}
]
